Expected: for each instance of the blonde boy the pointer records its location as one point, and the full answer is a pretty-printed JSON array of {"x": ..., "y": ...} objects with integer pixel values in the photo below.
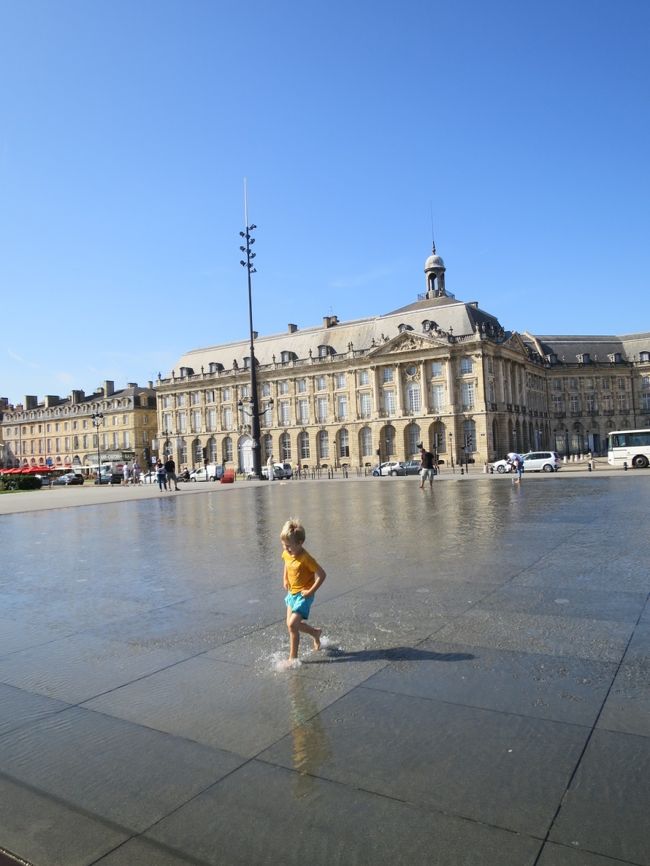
[{"x": 302, "y": 577}]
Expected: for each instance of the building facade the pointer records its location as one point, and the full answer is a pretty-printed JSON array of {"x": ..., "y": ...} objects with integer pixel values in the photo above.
[
  {"x": 69, "y": 432},
  {"x": 439, "y": 371}
]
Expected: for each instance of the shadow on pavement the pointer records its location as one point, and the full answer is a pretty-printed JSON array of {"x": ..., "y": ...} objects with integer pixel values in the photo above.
[{"x": 392, "y": 654}]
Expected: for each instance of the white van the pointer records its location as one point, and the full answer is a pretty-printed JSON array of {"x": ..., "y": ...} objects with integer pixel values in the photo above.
[{"x": 280, "y": 470}]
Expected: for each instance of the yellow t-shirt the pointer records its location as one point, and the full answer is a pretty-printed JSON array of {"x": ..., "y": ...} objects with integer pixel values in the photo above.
[{"x": 300, "y": 570}]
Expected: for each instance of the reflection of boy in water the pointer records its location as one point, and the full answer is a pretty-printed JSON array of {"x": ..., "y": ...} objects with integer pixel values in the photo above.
[
  {"x": 310, "y": 743},
  {"x": 302, "y": 577}
]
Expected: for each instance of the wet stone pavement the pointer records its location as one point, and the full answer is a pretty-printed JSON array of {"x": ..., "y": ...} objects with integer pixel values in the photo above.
[{"x": 483, "y": 700}]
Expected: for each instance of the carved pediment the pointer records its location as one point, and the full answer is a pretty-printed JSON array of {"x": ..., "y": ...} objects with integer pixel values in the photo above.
[
  {"x": 515, "y": 342},
  {"x": 408, "y": 341}
]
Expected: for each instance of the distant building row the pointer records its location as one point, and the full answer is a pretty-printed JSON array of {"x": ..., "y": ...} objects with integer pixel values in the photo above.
[
  {"x": 438, "y": 371},
  {"x": 109, "y": 425}
]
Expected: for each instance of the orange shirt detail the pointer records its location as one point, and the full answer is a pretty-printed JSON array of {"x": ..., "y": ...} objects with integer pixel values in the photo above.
[{"x": 301, "y": 570}]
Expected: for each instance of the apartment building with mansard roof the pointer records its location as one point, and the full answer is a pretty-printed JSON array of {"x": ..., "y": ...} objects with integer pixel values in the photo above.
[
  {"x": 437, "y": 370},
  {"x": 75, "y": 432}
]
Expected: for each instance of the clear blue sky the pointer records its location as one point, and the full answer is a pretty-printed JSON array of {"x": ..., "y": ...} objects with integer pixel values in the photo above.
[{"x": 126, "y": 129}]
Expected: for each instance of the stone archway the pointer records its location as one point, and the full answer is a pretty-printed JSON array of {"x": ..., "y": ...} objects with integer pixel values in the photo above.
[{"x": 245, "y": 453}]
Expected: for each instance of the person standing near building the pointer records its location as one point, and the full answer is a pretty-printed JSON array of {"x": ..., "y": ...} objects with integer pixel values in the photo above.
[
  {"x": 426, "y": 468},
  {"x": 170, "y": 469},
  {"x": 161, "y": 476}
]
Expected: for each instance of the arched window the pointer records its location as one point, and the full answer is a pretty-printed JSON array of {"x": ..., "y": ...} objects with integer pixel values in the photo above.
[
  {"x": 267, "y": 446},
  {"x": 324, "y": 351},
  {"x": 226, "y": 449},
  {"x": 344, "y": 443},
  {"x": 197, "y": 452},
  {"x": 182, "y": 451},
  {"x": 365, "y": 441},
  {"x": 389, "y": 441},
  {"x": 323, "y": 445},
  {"x": 286, "y": 357},
  {"x": 413, "y": 437},
  {"x": 212, "y": 450},
  {"x": 404, "y": 327},
  {"x": 303, "y": 445},
  {"x": 469, "y": 436},
  {"x": 285, "y": 447}
]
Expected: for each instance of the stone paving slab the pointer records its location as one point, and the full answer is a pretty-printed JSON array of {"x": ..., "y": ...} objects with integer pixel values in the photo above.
[
  {"x": 128, "y": 774},
  {"x": 18, "y": 708},
  {"x": 627, "y": 708},
  {"x": 77, "y": 668},
  {"x": 561, "y": 855},
  {"x": 211, "y": 702},
  {"x": 497, "y": 768},
  {"x": 48, "y": 832},
  {"x": 600, "y": 640},
  {"x": 328, "y": 824},
  {"x": 541, "y": 686},
  {"x": 606, "y": 808}
]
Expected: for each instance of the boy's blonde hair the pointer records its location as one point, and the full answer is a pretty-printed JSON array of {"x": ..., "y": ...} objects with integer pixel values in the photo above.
[{"x": 293, "y": 531}]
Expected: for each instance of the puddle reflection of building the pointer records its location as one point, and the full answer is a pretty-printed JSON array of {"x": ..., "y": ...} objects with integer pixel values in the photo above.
[{"x": 310, "y": 742}]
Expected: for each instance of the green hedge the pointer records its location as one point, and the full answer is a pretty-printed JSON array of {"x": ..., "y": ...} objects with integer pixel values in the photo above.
[{"x": 20, "y": 482}]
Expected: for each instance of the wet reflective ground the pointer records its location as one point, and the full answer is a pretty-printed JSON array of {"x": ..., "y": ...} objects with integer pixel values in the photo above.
[{"x": 483, "y": 698}]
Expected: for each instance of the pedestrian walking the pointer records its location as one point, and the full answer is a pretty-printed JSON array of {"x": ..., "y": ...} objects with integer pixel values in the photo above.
[{"x": 427, "y": 470}]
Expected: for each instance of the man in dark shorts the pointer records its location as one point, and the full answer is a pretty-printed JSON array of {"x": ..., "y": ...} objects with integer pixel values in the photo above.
[
  {"x": 170, "y": 469},
  {"x": 427, "y": 468}
]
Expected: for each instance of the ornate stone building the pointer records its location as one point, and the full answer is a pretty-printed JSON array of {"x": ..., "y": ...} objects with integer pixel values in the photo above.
[
  {"x": 61, "y": 430},
  {"x": 438, "y": 370}
]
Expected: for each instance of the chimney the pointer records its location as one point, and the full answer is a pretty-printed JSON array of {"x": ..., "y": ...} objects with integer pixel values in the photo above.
[
  {"x": 292, "y": 328},
  {"x": 51, "y": 400},
  {"x": 131, "y": 384},
  {"x": 255, "y": 335},
  {"x": 109, "y": 387},
  {"x": 150, "y": 385},
  {"x": 31, "y": 402},
  {"x": 76, "y": 397},
  {"x": 330, "y": 321}
]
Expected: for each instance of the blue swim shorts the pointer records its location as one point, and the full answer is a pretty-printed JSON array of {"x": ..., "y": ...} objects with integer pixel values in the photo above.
[{"x": 299, "y": 604}]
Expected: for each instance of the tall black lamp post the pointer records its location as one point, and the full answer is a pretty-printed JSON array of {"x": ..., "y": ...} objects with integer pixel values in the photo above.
[
  {"x": 98, "y": 420},
  {"x": 254, "y": 400}
]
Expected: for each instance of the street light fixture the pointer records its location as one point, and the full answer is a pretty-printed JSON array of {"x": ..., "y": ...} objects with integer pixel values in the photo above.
[
  {"x": 98, "y": 421},
  {"x": 254, "y": 412}
]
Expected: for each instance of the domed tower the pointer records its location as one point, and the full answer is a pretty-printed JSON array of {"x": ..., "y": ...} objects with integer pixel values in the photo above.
[{"x": 434, "y": 270}]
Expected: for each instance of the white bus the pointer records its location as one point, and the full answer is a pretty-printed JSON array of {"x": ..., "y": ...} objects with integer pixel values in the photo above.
[{"x": 629, "y": 446}]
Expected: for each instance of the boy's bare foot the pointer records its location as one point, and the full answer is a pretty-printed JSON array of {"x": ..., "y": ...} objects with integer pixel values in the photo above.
[{"x": 316, "y": 638}]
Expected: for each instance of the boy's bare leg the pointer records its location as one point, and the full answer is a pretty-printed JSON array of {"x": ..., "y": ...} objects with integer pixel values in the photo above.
[
  {"x": 294, "y": 621},
  {"x": 311, "y": 630}
]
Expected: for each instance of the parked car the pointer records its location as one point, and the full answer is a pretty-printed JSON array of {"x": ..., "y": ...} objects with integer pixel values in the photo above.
[
  {"x": 409, "y": 467},
  {"x": 211, "y": 472},
  {"x": 542, "y": 461},
  {"x": 390, "y": 467},
  {"x": 280, "y": 470},
  {"x": 69, "y": 478},
  {"x": 534, "y": 461}
]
